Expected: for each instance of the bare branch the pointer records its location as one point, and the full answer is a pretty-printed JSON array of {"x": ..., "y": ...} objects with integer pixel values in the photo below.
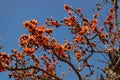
[{"x": 71, "y": 65}]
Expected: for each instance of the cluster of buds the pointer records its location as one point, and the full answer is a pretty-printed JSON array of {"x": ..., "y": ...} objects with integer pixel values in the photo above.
[{"x": 5, "y": 60}]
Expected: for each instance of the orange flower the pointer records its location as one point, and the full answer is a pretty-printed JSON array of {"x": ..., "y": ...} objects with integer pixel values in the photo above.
[
  {"x": 85, "y": 28},
  {"x": 73, "y": 18},
  {"x": 95, "y": 21},
  {"x": 78, "y": 10},
  {"x": 44, "y": 57},
  {"x": 69, "y": 21},
  {"x": 23, "y": 40},
  {"x": 42, "y": 27},
  {"x": 78, "y": 39},
  {"x": 24, "y": 37},
  {"x": 33, "y": 21},
  {"x": 26, "y": 24},
  {"x": 54, "y": 23},
  {"x": 78, "y": 55},
  {"x": 66, "y": 7},
  {"x": 57, "y": 45},
  {"x": 31, "y": 27},
  {"x": 94, "y": 25},
  {"x": 40, "y": 30},
  {"x": 65, "y": 47},
  {"x": 109, "y": 17},
  {"x": 47, "y": 65},
  {"x": 23, "y": 43},
  {"x": 31, "y": 39},
  {"x": 46, "y": 39},
  {"x": 28, "y": 51},
  {"x": 49, "y": 30},
  {"x": 75, "y": 47},
  {"x": 95, "y": 15}
]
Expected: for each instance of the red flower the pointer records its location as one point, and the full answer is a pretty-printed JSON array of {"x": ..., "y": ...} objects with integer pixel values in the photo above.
[{"x": 1, "y": 70}]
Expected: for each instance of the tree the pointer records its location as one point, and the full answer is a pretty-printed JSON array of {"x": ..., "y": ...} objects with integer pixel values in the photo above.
[{"x": 42, "y": 55}]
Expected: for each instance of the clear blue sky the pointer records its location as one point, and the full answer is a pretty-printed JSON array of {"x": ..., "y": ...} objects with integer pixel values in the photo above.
[{"x": 14, "y": 12}]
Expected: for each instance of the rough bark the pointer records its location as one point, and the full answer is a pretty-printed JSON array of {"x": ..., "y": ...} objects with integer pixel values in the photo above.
[{"x": 112, "y": 71}]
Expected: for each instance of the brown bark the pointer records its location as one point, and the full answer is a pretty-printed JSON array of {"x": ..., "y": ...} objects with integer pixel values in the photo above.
[{"x": 112, "y": 71}]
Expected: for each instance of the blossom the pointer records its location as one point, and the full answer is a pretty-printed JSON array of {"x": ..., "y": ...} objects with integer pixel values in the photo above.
[
  {"x": 78, "y": 39},
  {"x": 70, "y": 21},
  {"x": 78, "y": 55},
  {"x": 28, "y": 51},
  {"x": 66, "y": 7}
]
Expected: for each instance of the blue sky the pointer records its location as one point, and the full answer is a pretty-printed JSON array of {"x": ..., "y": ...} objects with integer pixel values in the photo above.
[{"x": 14, "y": 12}]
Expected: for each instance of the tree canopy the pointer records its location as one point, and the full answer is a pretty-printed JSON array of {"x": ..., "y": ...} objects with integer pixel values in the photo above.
[{"x": 43, "y": 57}]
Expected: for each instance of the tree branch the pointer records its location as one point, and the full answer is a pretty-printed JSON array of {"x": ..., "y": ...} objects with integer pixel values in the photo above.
[
  {"x": 30, "y": 67},
  {"x": 116, "y": 29},
  {"x": 71, "y": 65}
]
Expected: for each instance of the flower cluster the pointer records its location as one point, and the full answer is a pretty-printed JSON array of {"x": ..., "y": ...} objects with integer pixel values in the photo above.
[
  {"x": 5, "y": 60},
  {"x": 70, "y": 21},
  {"x": 51, "y": 22},
  {"x": 87, "y": 35},
  {"x": 39, "y": 37}
]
